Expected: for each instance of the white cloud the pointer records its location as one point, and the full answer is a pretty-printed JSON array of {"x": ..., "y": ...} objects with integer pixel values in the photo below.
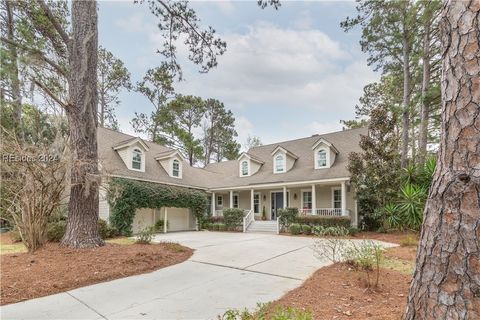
[
  {"x": 323, "y": 127},
  {"x": 269, "y": 66},
  {"x": 244, "y": 128}
]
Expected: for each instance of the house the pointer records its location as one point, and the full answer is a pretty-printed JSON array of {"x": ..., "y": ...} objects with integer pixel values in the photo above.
[{"x": 308, "y": 173}]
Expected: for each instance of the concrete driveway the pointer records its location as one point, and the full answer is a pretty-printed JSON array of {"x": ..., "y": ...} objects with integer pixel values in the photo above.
[{"x": 227, "y": 270}]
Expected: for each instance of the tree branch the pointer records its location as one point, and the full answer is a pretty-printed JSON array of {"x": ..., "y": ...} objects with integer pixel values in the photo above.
[
  {"x": 39, "y": 54},
  {"x": 54, "y": 21},
  {"x": 50, "y": 94}
]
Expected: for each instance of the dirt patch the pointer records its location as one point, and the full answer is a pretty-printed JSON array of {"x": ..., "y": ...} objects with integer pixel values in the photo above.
[
  {"x": 338, "y": 292},
  {"x": 5, "y": 238},
  {"x": 55, "y": 269}
]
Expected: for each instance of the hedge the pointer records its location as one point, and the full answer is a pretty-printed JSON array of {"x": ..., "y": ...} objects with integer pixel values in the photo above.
[
  {"x": 125, "y": 196},
  {"x": 233, "y": 217},
  {"x": 324, "y": 221}
]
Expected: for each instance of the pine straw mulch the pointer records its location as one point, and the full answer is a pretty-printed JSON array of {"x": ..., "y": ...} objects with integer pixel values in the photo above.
[
  {"x": 54, "y": 268},
  {"x": 339, "y": 292}
]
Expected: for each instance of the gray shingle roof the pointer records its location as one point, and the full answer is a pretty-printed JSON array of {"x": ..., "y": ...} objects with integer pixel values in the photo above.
[{"x": 225, "y": 174}]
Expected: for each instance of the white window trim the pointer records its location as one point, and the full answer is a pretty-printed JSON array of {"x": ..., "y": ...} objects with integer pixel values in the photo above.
[
  {"x": 327, "y": 153},
  {"x": 179, "y": 176},
  {"x": 142, "y": 160},
  {"x": 301, "y": 194},
  {"x": 248, "y": 168},
  {"x": 284, "y": 157},
  {"x": 216, "y": 201},
  {"x": 259, "y": 202},
  {"x": 333, "y": 196}
]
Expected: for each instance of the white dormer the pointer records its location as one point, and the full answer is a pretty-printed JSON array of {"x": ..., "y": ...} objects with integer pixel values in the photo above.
[
  {"x": 132, "y": 152},
  {"x": 172, "y": 162},
  {"x": 324, "y": 154},
  {"x": 248, "y": 165},
  {"x": 283, "y": 160}
]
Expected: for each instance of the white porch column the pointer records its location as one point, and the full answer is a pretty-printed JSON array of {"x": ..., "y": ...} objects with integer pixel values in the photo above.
[
  {"x": 314, "y": 200},
  {"x": 165, "y": 221},
  {"x": 231, "y": 199},
  {"x": 344, "y": 199},
  {"x": 251, "y": 199},
  {"x": 284, "y": 196},
  {"x": 214, "y": 200}
]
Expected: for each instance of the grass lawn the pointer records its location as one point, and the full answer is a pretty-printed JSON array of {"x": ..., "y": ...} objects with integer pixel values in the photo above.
[{"x": 53, "y": 268}]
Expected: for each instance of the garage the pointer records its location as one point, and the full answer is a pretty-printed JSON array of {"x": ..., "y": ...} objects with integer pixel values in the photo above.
[{"x": 179, "y": 219}]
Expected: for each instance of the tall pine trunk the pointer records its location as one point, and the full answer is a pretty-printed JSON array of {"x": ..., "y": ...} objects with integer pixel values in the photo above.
[
  {"x": 425, "y": 109},
  {"x": 13, "y": 73},
  {"x": 446, "y": 282},
  {"x": 406, "y": 95},
  {"x": 81, "y": 230}
]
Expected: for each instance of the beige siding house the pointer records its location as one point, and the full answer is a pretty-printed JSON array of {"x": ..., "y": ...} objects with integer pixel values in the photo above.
[{"x": 309, "y": 174}]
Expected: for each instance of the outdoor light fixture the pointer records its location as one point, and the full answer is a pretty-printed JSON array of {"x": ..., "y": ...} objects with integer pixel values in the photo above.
[{"x": 294, "y": 196}]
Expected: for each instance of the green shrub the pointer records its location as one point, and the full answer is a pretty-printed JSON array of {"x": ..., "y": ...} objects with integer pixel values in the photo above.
[
  {"x": 306, "y": 229},
  {"x": 287, "y": 216},
  {"x": 217, "y": 219},
  {"x": 279, "y": 313},
  {"x": 145, "y": 236},
  {"x": 222, "y": 227},
  {"x": 215, "y": 226},
  {"x": 324, "y": 221},
  {"x": 295, "y": 228},
  {"x": 56, "y": 230},
  {"x": 352, "y": 231},
  {"x": 106, "y": 231},
  {"x": 291, "y": 313},
  {"x": 331, "y": 231},
  {"x": 159, "y": 225},
  {"x": 233, "y": 217},
  {"x": 207, "y": 226}
]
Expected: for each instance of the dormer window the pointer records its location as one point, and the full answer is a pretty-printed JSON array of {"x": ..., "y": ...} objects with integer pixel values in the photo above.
[
  {"x": 244, "y": 168},
  {"x": 137, "y": 159},
  {"x": 279, "y": 163},
  {"x": 176, "y": 168},
  {"x": 321, "y": 158}
]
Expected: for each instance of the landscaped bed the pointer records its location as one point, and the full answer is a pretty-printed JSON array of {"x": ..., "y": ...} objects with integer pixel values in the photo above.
[
  {"x": 339, "y": 291},
  {"x": 54, "y": 268}
]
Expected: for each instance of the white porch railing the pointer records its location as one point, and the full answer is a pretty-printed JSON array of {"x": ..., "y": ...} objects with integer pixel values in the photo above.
[
  {"x": 248, "y": 219},
  {"x": 332, "y": 212},
  {"x": 278, "y": 225}
]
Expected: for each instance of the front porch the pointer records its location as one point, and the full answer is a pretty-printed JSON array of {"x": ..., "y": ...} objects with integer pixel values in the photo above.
[{"x": 319, "y": 198}]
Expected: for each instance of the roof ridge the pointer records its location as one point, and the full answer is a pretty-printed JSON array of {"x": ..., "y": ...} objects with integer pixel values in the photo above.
[{"x": 312, "y": 136}]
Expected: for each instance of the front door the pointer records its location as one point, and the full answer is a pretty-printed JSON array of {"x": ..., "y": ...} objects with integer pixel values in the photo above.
[{"x": 277, "y": 203}]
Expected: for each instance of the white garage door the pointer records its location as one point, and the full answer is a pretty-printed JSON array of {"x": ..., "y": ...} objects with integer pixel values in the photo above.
[{"x": 180, "y": 219}]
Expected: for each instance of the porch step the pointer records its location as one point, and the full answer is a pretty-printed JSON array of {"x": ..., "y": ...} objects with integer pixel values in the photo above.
[{"x": 263, "y": 226}]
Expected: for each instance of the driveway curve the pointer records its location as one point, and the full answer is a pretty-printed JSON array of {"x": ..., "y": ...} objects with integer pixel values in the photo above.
[{"x": 227, "y": 270}]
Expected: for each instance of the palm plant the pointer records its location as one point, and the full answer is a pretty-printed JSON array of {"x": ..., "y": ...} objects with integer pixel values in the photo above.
[{"x": 411, "y": 204}]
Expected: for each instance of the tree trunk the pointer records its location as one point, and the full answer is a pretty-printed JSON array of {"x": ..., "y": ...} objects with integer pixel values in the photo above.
[
  {"x": 14, "y": 78},
  {"x": 425, "y": 110},
  {"x": 81, "y": 230},
  {"x": 406, "y": 96},
  {"x": 446, "y": 282}
]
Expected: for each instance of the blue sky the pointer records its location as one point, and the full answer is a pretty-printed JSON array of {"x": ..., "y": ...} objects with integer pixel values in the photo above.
[{"x": 286, "y": 74}]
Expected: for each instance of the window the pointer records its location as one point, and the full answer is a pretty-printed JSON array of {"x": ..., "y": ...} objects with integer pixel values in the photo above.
[
  {"x": 337, "y": 198},
  {"x": 244, "y": 166},
  {"x": 279, "y": 165},
  {"x": 235, "y": 200},
  {"x": 321, "y": 158},
  {"x": 210, "y": 205},
  {"x": 220, "y": 201},
  {"x": 256, "y": 203},
  {"x": 137, "y": 159},
  {"x": 176, "y": 168},
  {"x": 307, "y": 200}
]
